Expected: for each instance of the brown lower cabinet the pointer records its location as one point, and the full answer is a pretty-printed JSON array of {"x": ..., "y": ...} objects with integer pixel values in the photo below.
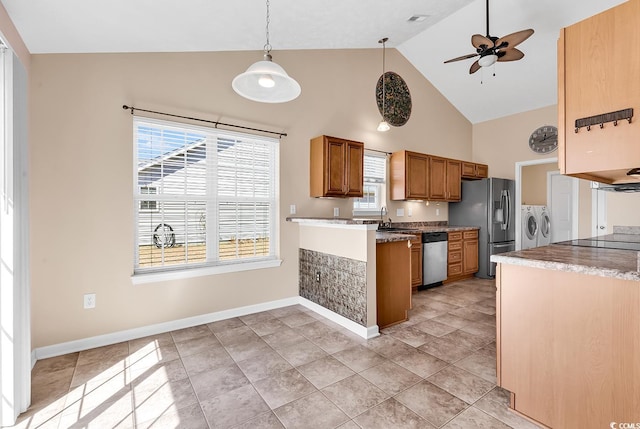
[
  {"x": 393, "y": 282},
  {"x": 416, "y": 262},
  {"x": 462, "y": 256},
  {"x": 568, "y": 346}
]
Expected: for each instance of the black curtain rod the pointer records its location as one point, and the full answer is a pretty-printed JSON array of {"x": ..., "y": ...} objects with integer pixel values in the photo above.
[
  {"x": 215, "y": 123},
  {"x": 376, "y": 150}
]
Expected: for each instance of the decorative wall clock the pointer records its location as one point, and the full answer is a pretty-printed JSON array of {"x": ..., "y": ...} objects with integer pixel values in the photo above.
[{"x": 544, "y": 139}]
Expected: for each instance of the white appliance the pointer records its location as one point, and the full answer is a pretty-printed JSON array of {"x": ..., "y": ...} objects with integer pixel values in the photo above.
[
  {"x": 529, "y": 227},
  {"x": 544, "y": 225}
]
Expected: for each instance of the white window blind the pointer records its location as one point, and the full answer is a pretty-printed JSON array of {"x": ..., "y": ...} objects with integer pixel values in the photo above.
[
  {"x": 375, "y": 177},
  {"x": 203, "y": 196}
]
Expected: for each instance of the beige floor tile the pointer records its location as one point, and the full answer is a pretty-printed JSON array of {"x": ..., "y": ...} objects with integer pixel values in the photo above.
[
  {"x": 225, "y": 325},
  {"x": 283, "y": 388},
  {"x": 284, "y": 338},
  {"x": 333, "y": 342},
  {"x": 359, "y": 358},
  {"x": 107, "y": 355},
  {"x": 467, "y": 340},
  {"x": 50, "y": 365},
  {"x": 268, "y": 327},
  {"x": 480, "y": 364},
  {"x": 172, "y": 396},
  {"x": 410, "y": 335},
  {"x": 302, "y": 352},
  {"x": 212, "y": 358},
  {"x": 390, "y": 377},
  {"x": 481, "y": 330},
  {"x": 434, "y": 328},
  {"x": 446, "y": 349},
  {"x": 239, "y": 334},
  {"x": 151, "y": 356},
  {"x": 474, "y": 418},
  {"x": 461, "y": 383},
  {"x": 217, "y": 381},
  {"x": 97, "y": 371},
  {"x": 257, "y": 318},
  {"x": 248, "y": 349},
  {"x": 391, "y": 414},
  {"x": 116, "y": 411},
  {"x": 325, "y": 371},
  {"x": 264, "y": 365},
  {"x": 190, "y": 333},
  {"x": 388, "y": 346},
  {"x": 496, "y": 404},
  {"x": 197, "y": 345},
  {"x": 190, "y": 417},
  {"x": 266, "y": 420},
  {"x": 158, "y": 340},
  {"x": 452, "y": 320},
  {"x": 234, "y": 407},
  {"x": 354, "y": 395},
  {"x": 420, "y": 363},
  {"x": 432, "y": 403},
  {"x": 311, "y": 411},
  {"x": 297, "y": 319}
]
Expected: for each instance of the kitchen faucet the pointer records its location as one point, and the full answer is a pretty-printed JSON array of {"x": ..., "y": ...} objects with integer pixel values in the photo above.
[{"x": 383, "y": 212}]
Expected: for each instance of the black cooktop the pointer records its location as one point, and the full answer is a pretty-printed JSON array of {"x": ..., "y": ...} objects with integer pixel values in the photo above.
[{"x": 603, "y": 243}]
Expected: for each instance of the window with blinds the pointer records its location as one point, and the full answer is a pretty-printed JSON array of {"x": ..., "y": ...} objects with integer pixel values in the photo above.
[
  {"x": 203, "y": 196},
  {"x": 375, "y": 178}
]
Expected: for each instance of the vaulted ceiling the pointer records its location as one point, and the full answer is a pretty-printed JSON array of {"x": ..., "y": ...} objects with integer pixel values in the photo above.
[{"x": 83, "y": 26}]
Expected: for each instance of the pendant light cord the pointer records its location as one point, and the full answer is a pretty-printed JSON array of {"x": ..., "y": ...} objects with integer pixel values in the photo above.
[
  {"x": 384, "y": 97},
  {"x": 267, "y": 46}
]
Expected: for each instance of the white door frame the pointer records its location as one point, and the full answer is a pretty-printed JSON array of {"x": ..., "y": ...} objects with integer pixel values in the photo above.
[
  {"x": 575, "y": 203},
  {"x": 518, "y": 176}
]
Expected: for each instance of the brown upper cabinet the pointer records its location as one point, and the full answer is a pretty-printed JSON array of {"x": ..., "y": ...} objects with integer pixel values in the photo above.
[
  {"x": 598, "y": 71},
  {"x": 409, "y": 176},
  {"x": 471, "y": 170},
  {"x": 444, "y": 179},
  {"x": 337, "y": 167}
]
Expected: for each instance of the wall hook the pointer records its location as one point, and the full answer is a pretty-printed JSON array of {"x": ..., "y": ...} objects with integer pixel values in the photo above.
[
  {"x": 601, "y": 125},
  {"x": 588, "y": 127}
]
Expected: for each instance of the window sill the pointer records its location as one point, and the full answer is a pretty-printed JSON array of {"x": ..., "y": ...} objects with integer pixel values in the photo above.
[{"x": 162, "y": 276}]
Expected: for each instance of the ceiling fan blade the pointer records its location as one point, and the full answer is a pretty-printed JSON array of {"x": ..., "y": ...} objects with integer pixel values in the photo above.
[
  {"x": 474, "y": 67},
  {"x": 481, "y": 42},
  {"x": 511, "y": 40},
  {"x": 464, "y": 57},
  {"x": 512, "y": 54}
]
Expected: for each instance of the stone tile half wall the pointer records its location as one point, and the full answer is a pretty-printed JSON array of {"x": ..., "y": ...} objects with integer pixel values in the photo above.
[{"x": 342, "y": 287}]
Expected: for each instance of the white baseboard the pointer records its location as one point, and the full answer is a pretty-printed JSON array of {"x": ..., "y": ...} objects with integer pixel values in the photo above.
[
  {"x": 354, "y": 327},
  {"x": 159, "y": 328},
  {"x": 145, "y": 331}
]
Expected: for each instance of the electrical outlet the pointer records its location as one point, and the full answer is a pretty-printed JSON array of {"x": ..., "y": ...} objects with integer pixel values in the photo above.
[
  {"x": 409, "y": 211},
  {"x": 89, "y": 300},
  {"x": 336, "y": 211},
  {"x": 292, "y": 209},
  {"x": 317, "y": 276},
  {"x": 437, "y": 212}
]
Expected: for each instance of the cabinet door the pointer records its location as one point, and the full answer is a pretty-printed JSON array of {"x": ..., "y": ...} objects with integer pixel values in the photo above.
[
  {"x": 482, "y": 171},
  {"x": 354, "y": 169},
  {"x": 453, "y": 180},
  {"x": 468, "y": 170},
  {"x": 416, "y": 263},
  {"x": 437, "y": 178},
  {"x": 470, "y": 256},
  {"x": 417, "y": 172},
  {"x": 599, "y": 75},
  {"x": 335, "y": 164}
]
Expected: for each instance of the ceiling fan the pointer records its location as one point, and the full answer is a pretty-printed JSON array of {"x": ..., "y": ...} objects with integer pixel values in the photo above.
[{"x": 491, "y": 49}]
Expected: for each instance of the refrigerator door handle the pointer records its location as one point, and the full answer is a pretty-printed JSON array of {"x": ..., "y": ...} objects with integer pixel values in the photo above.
[
  {"x": 504, "y": 207},
  {"x": 508, "y": 215},
  {"x": 500, "y": 246}
]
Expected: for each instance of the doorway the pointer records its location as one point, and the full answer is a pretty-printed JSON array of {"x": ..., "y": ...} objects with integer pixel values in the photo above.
[
  {"x": 562, "y": 195},
  {"x": 519, "y": 201}
]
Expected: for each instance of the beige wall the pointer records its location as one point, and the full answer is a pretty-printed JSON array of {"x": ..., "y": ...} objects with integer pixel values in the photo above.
[
  {"x": 11, "y": 36},
  {"x": 534, "y": 183},
  {"x": 81, "y": 171},
  {"x": 502, "y": 142},
  {"x": 623, "y": 209}
]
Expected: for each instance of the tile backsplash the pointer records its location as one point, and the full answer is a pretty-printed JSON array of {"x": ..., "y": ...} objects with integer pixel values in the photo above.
[{"x": 342, "y": 284}]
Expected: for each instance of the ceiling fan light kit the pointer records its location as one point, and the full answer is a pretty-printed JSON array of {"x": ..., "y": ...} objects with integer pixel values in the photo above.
[
  {"x": 492, "y": 49},
  {"x": 266, "y": 81}
]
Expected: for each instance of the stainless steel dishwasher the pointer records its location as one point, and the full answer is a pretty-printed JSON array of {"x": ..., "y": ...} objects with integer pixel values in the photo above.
[{"x": 434, "y": 257}]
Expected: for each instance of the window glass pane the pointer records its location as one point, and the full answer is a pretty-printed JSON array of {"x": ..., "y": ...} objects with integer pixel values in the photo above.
[
  {"x": 375, "y": 172},
  {"x": 195, "y": 185}
]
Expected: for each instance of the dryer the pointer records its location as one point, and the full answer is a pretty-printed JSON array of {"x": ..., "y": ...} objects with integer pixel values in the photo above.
[
  {"x": 529, "y": 227},
  {"x": 544, "y": 225}
]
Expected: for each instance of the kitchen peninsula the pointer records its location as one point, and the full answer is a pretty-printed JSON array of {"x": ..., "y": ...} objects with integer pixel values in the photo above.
[
  {"x": 568, "y": 334},
  {"x": 357, "y": 275}
]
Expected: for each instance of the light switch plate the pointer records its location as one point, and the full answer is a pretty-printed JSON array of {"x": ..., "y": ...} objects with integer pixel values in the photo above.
[
  {"x": 409, "y": 211},
  {"x": 400, "y": 212},
  {"x": 292, "y": 209},
  {"x": 336, "y": 211}
]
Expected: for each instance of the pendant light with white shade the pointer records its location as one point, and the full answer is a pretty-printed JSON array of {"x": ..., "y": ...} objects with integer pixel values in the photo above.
[
  {"x": 383, "y": 125},
  {"x": 266, "y": 81}
]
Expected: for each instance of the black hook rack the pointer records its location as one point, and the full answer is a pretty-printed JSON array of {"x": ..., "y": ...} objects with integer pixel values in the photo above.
[{"x": 625, "y": 114}]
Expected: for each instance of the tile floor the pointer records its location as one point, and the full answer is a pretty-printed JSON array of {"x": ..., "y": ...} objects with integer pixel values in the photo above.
[{"x": 290, "y": 368}]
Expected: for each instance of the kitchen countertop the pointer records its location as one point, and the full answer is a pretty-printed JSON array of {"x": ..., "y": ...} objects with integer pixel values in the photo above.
[
  {"x": 389, "y": 237},
  {"x": 619, "y": 264}
]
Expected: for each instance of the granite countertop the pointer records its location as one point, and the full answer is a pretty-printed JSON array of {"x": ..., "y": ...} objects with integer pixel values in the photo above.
[
  {"x": 438, "y": 228},
  {"x": 389, "y": 237},
  {"x": 620, "y": 264}
]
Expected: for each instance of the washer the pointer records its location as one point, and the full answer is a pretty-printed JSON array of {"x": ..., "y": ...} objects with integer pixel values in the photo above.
[
  {"x": 529, "y": 227},
  {"x": 544, "y": 225}
]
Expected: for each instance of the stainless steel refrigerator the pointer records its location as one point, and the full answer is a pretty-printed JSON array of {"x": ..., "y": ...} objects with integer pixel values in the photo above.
[{"x": 490, "y": 205}]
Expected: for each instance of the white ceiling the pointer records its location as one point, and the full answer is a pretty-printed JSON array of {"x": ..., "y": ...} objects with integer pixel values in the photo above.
[{"x": 79, "y": 26}]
